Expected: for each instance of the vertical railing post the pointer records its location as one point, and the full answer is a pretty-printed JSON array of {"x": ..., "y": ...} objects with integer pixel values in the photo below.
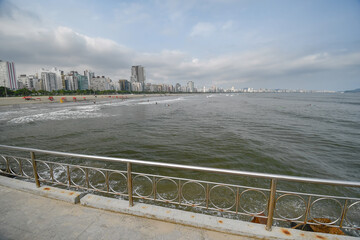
[
  {"x": 107, "y": 181},
  {"x": 87, "y": 178},
  {"x": 180, "y": 192},
  {"x": 68, "y": 175},
  {"x": 271, "y": 206},
  {"x": 207, "y": 196},
  {"x": 7, "y": 165},
  {"x": 154, "y": 187},
  {"x": 130, "y": 187},
  {"x": 343, "y": 213},
  {"x": 36, "y": 176}
]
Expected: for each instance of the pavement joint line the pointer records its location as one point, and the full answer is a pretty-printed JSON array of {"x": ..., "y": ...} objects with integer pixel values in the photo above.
[
  {"x": 83, "y": 194},
  {"x": 95, "y": 220}
]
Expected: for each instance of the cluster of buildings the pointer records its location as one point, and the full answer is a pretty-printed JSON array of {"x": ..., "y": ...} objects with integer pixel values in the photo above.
[{"x": 55, "y": 79}]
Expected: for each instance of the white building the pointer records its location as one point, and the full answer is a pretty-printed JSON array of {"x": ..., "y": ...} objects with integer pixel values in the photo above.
[
  {"x": 137, "y": 86},
  {"x": 101, "y": 84},
  {"x": 190, "y": 86},
  {"x": 59, "y": 78},
  {"x": 48, "y": 81},
  {"x": 89, "y": 75},
  {"x": 24, "y": 82},
  {"x": 8, "y": 75}
]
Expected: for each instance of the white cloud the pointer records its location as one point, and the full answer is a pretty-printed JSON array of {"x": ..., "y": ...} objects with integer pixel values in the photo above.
[
  {"x": 228, "y": 25},
  {"x": 202, "y": 29},
  {"x": 195, "y": 60},
  {"x": 31, "y": 46}
]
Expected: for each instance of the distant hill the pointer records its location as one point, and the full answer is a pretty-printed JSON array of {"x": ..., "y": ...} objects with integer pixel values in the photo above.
[{"x": 353, "y": 91}]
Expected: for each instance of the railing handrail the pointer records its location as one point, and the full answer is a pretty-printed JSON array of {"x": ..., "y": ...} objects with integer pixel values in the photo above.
[{"x": 195, "y": 168}]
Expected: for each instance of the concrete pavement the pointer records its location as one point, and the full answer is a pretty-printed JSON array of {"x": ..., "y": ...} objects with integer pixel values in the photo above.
[{"x": 28, "y": 216}]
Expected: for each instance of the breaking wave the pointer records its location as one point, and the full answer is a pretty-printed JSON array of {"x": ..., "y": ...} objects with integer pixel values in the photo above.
[{"x": 88, "y": 111}]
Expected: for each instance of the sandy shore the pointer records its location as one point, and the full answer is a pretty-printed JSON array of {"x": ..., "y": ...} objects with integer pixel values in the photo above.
[{"x": 79, "y": 98}]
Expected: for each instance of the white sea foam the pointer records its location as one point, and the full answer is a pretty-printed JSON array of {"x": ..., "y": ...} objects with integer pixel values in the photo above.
[
  {"x": 162, "y": 101},
  {"x": 121, "y": 103},
  {"x": 87, "y": 111},
  {"x": 6, "y": 115}
]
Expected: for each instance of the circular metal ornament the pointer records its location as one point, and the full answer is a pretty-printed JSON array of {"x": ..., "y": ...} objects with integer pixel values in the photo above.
[
  {"x": 321, "y": 199},
  {"x": 42, "y": 173},
  {"x": 222, "y": 197},
  {"x": 111, "y": 185},
  {"x": 347, "y": 212},
  {"x": 57, "y": 172},
  {"x": 159, "y": 194},
  {"x": 92, "y": 175},
  {"x": 3, "y": 167},
  {"x": 191, "y": 202},
  {"x": 27, "y": 168},
  {"x": 136, "y": 189},
  {"x": 72, "y": 170},
  {"x": 252, "y": 190},
  {"x": 291, "y": 195},
  {"x": 14, "y": 168}
]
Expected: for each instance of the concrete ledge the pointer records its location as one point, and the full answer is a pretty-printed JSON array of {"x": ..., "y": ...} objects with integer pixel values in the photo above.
[
  {"x": 202, "y": 221},
  {"x": 45, "y": 191}
]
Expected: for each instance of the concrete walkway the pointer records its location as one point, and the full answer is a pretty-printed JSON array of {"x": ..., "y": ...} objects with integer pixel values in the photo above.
[{"x": 28, "y": 216}]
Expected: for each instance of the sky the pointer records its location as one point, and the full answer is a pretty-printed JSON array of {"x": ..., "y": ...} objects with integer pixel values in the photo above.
[{"x": 298, "y": 44}]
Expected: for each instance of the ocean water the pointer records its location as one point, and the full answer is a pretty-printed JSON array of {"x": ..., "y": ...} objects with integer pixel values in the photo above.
[{"x": 311, "y": 135}]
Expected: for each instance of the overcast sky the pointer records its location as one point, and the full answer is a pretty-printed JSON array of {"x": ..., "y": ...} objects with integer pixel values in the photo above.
[{"x": 261, "y": 44}]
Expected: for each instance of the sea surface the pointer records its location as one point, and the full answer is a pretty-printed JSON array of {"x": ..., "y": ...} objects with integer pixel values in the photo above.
[{"x": 297, "y": 134}]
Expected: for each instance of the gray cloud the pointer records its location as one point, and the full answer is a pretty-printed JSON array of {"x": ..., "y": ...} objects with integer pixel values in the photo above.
[{"x": 31, "y": 46}]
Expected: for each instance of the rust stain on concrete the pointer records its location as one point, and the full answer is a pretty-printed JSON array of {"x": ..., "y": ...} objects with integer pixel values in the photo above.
[
  {"x": 47, "y": 189},
  {"x": 286, "y": 232}
]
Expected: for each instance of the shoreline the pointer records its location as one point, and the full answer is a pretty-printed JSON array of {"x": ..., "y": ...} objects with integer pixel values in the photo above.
[{"x": 8, "y": 101}]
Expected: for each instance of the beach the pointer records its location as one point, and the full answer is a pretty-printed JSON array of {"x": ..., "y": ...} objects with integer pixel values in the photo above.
[{"x": 4, "y": 101}]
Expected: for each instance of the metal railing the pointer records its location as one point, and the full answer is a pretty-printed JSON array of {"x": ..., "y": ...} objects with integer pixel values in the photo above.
[{"x": 267, "y": 203}]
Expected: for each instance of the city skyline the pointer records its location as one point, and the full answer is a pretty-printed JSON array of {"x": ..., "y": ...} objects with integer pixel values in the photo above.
[
  {"x": 273, "y": 44},
  {"x": 55, "y": 79}
]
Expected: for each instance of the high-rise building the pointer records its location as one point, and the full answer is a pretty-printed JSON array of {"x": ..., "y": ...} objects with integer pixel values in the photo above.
[
  {"x": 48, "y": 81},
  {"x": 71, "y": 82},
  {"x": 138, "y": 76},
  {"x": 23, "y": 81},
  {"x": 59, "y": 78},
  {"x": 8, "y": 75},
  {"x": 82, "y": 81},
  {"x": 124, "y": 85},
  {"x": 178, "y": 87},
  {"x": 101, "y": 83},
  {"x": 89, "y": 75},
  {"x": 190, "y": 86}
]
